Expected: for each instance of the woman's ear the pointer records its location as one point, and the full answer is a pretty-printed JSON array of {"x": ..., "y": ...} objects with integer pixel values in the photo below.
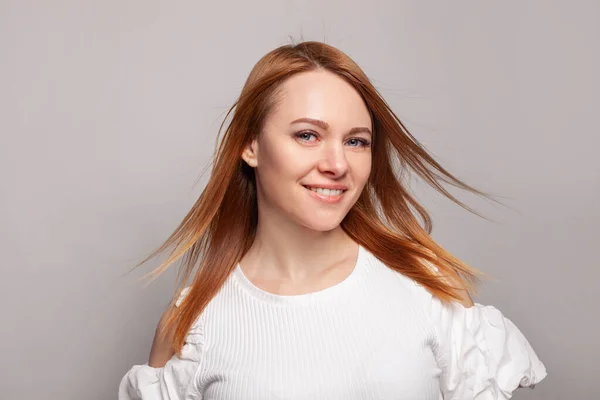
[{"x": 250, "y": 154}]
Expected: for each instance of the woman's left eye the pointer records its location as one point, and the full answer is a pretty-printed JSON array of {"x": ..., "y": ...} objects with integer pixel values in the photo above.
[{"x": 360, "y": 142}]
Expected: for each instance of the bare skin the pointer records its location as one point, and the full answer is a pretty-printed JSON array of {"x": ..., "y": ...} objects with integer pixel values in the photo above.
[
  {"x": 300, "y": 246},
  {"x": 318, "y": 136},
  {"x": 161, "y": 350}
]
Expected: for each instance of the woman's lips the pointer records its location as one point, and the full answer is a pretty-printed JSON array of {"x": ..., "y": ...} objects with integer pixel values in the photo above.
[{"x": 332, "y": 199}]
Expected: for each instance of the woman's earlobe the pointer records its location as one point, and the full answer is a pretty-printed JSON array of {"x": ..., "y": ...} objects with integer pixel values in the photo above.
[
  {"x": 249, "y": 157},
  {"x": 251, "y": 162}
]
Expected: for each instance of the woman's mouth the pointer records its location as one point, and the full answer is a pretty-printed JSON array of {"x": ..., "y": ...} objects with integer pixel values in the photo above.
[{"x": 326, "y": 195}]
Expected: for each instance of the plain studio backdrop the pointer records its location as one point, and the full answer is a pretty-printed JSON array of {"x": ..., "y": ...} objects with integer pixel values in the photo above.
[{"x": 109, "y": 111}]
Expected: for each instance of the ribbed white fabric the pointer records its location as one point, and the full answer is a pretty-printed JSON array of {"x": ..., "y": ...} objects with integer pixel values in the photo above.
[{"x": 375, "y": 335}]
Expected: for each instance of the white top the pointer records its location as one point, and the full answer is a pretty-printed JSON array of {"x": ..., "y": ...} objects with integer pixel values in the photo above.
[{"x": 375, "y": 335}]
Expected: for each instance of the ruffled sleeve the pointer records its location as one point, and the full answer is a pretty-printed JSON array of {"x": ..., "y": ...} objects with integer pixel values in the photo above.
[
  {"x": 175, "y": 381},
  {"x": 481, "y": 353}
]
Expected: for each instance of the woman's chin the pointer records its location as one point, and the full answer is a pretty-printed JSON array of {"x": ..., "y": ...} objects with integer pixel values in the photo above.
[{"x": 323, "y": 225}]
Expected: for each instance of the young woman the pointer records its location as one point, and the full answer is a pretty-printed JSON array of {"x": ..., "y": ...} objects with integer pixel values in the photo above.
[{"x": 306, "y": 274}]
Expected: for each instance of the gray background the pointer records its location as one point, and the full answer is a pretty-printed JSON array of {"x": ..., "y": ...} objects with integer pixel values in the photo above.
[{"x": 109, "y": 112}]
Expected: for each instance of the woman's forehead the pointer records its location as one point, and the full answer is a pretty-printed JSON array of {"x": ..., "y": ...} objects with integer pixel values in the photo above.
[{"x": 322, "y": 96}]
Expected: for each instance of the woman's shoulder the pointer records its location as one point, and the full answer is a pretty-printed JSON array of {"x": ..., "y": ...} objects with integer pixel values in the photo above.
[
  {"x": 395, "y": 283},
  {"x": 387, "y": 274}
]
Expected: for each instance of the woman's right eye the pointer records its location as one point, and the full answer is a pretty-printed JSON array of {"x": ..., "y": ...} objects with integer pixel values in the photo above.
[{"x": 304, "y": 136}]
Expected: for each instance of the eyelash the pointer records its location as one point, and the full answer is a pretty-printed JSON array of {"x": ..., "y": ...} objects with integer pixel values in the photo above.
[{"x": 364, "y": 142}]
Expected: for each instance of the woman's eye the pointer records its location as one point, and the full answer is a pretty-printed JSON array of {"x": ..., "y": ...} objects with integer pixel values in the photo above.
[
  {"x": 356, "y": 142},
  {"x": 304, "y": 136}
]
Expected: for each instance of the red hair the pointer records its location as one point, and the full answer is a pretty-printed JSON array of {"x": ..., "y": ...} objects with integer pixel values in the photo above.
[{"x": 221, "y": 225}]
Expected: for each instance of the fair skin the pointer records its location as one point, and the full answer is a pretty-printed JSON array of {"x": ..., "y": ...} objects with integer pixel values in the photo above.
[
  {"x": 299, "y": 246},
  {"x": 161, "y": 350}
]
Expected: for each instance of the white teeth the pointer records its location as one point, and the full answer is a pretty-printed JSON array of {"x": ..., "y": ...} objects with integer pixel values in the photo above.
[{"x": 326, "y": 192}]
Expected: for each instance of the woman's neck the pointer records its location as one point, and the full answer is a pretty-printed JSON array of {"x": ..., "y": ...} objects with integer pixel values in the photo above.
[{"x": 290, "y": 252}]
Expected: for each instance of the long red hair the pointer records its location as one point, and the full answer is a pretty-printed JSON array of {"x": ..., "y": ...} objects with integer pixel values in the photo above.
[{"x": 221, "y": 225}]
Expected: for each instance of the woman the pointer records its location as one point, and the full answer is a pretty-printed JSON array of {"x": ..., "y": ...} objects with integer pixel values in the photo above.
[{"x": 314, "y": 278}]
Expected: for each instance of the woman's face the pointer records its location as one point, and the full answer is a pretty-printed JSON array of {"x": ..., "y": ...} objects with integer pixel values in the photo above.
[{"x": 312, "y": 173}]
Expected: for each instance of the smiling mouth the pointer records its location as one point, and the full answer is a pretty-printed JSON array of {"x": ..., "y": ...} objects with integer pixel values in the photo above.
[{"x": 326, "y": 192}]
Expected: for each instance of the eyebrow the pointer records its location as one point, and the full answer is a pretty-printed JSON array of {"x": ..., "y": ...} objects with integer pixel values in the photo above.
[{"x": 325, "y": 126}]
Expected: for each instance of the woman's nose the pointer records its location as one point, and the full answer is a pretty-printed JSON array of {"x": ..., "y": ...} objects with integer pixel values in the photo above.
[{"x": 333, "y": 160}]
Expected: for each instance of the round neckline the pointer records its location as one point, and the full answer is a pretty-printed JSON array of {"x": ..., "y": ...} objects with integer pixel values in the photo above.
[{"x": 329, "y": 293}]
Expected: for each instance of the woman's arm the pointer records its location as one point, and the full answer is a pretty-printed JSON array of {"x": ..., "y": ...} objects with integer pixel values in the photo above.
[
  {"x": 166, "y": 375},
  {"x": 162, "y": 351}
]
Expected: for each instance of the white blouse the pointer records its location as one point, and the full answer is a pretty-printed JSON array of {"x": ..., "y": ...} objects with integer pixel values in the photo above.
[{"x": 375, "y": 335}]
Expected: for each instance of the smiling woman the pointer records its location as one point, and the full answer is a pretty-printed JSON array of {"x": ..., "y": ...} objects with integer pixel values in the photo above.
[
  {"x": 323, "y": 153},
  {"x": 306, "y": 274}
]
